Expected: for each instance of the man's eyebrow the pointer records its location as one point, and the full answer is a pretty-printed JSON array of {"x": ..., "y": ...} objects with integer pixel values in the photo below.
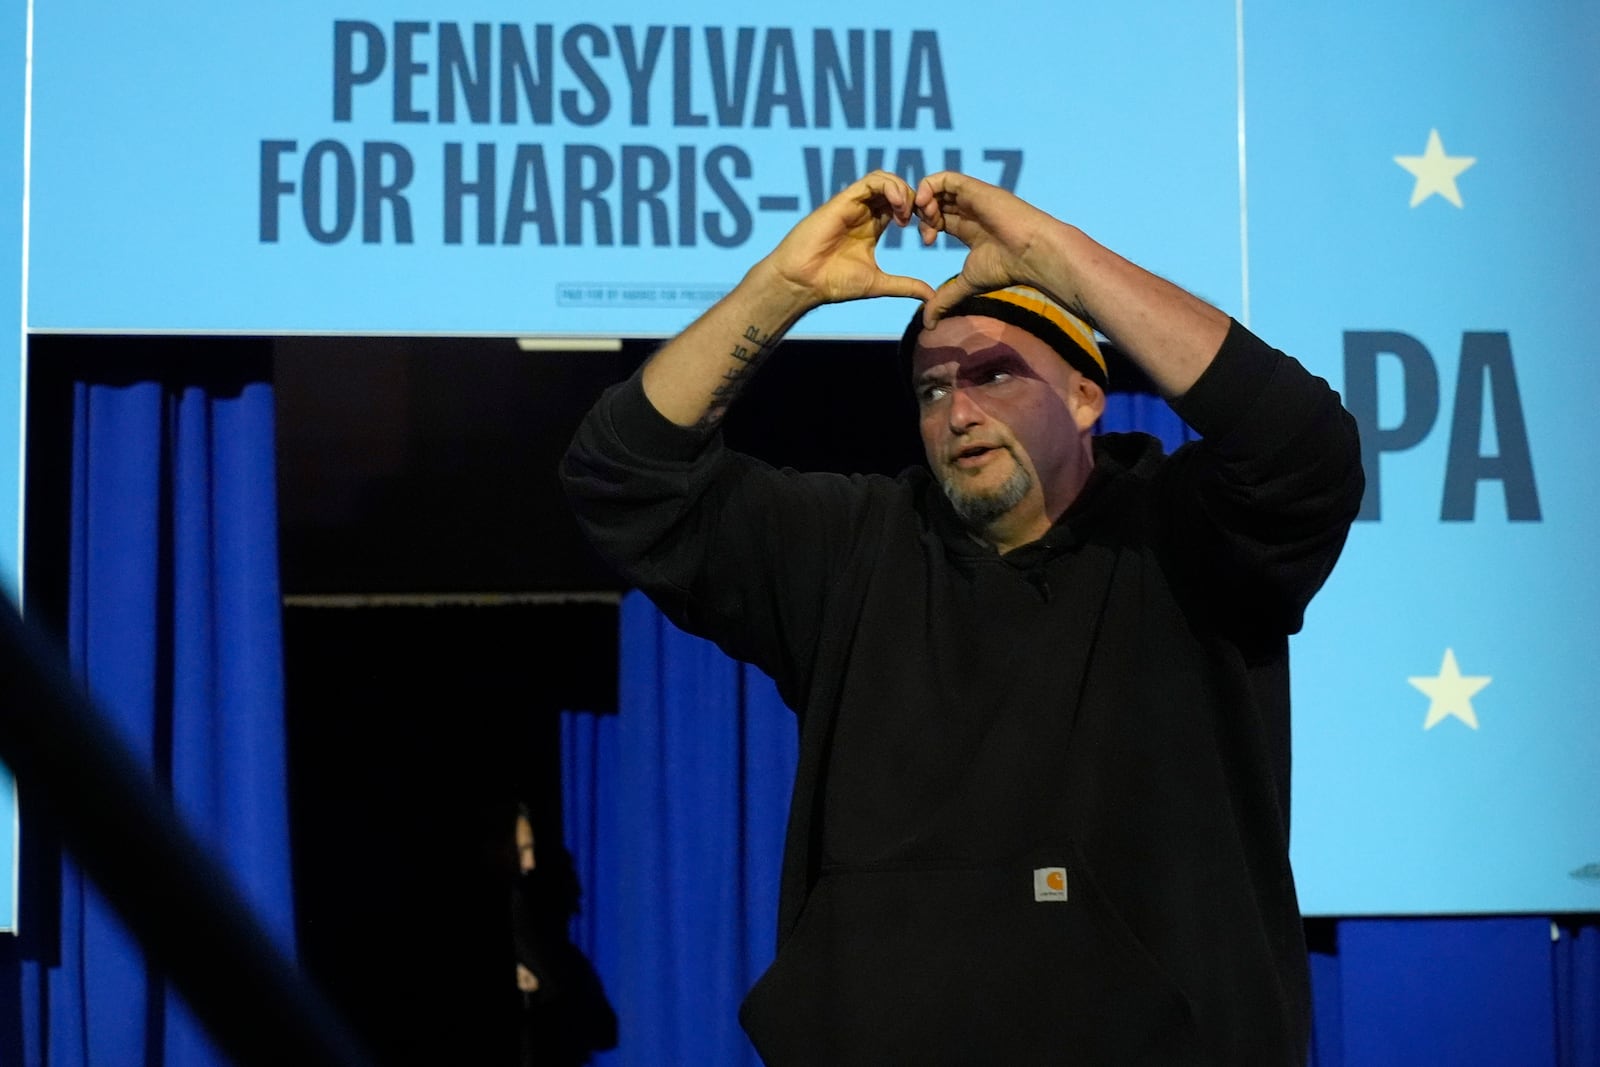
[
  {"x": 956, "y": 352},
  {"x": 998, "y": 354}
]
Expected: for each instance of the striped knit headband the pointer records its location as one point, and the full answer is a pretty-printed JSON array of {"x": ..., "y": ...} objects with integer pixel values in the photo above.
[{"x": 1029, "y": 309}]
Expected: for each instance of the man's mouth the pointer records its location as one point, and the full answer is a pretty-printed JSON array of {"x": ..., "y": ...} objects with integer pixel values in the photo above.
[{"x": 974, "y": 455}]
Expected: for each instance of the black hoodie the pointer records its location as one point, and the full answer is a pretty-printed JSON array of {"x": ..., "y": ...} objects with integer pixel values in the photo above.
[{"x": 1041, "y": 810}]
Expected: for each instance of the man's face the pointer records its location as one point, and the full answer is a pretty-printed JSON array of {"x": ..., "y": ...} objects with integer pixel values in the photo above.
[{"x": 1004, "y": 421}]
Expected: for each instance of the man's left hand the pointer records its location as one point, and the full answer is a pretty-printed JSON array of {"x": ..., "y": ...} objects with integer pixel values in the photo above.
[{"x": 1006, "y": 237}]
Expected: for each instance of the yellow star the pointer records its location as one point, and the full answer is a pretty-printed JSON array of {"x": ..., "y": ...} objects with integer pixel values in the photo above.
[
  {"x": 1451, "y": 692},
  {"x": 1435, "y": 171}
]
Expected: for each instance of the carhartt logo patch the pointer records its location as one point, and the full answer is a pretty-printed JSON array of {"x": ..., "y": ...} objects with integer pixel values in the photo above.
[{"x": 1050, "y": 883}]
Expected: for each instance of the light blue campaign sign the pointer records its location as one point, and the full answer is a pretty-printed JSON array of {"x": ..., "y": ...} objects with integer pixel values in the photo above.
[
  {"x": 1422, "y": 234},
  {"x": 608, "y": 170}
]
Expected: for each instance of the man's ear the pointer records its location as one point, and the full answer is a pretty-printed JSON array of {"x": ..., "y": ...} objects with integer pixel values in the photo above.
[{"x": 1087, "y": 402}]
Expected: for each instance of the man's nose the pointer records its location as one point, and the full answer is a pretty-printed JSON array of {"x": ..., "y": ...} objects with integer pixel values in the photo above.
[{"x": 965, "y": 412}]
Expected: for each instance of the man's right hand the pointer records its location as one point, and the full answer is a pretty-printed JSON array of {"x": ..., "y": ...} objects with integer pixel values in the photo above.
[{"x": 831, "y": 255}]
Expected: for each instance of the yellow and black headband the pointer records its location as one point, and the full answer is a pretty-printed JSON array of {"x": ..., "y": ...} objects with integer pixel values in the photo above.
[{"x": 1028, "y": 309}]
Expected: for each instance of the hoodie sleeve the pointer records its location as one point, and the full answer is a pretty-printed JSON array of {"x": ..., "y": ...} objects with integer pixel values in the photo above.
[
  {"x": 728, "y": 547},
  {"x": 1263, "y": 502}
]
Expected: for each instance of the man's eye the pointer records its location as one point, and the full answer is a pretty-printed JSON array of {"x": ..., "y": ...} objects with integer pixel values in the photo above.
[
  {"x": 931, "y": 393},
  {"x": 997, "y": 377}
]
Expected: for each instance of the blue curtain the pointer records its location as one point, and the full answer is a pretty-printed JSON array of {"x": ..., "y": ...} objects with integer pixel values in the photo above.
[
  {"x": 1577, "y": 993},
  {"x": 174, "y": 625},
  {"x": 1144, "y": 413},
  {"x": 674, "y": 809},
  {"x": 674, "y": 812}
]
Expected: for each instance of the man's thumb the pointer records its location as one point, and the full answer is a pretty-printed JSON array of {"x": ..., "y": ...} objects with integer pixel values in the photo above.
[
  {"x": 900, "y": 285},
  {"x": 946, "y": 297}
]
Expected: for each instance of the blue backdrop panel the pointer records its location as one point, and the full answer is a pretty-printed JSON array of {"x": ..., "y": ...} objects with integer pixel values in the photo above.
[
  {"x": 1327, "y": 1009},
  {"x": 674, "y": 812},
  {"x": 1461, "y": 335},
  {"x": 1466, "y": 991},
  {"x": 174, "y": 626},
  {"x": 1577, "y": 995}
]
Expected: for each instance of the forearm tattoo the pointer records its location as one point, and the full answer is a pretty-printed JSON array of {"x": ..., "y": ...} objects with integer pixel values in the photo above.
[{"x": 745, "y": 356}]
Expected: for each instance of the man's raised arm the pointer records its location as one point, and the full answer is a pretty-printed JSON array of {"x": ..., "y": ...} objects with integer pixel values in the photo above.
[
  {"x": 1171, "y": 334},
  {"x": 827, "y": 258}
]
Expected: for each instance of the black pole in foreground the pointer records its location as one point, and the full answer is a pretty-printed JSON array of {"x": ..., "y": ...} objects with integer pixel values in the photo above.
[{"x": 177, "y": 901}]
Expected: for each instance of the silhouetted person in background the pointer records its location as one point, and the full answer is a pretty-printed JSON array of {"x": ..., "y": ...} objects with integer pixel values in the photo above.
[{"x": 565, "y": 1014}]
